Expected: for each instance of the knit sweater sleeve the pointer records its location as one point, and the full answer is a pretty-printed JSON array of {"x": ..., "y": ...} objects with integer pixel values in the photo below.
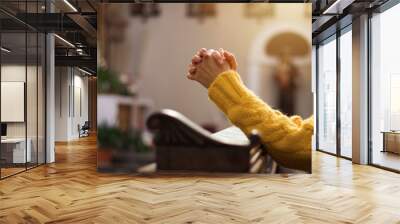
[{"x": 288, "y": 139}]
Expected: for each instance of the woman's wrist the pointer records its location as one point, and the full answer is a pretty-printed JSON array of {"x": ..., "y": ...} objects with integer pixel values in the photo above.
[{"x": 227, "y": 91}]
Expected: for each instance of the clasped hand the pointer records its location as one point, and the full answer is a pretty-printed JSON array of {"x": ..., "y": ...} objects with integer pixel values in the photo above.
[{"x": 208, "y": 64}]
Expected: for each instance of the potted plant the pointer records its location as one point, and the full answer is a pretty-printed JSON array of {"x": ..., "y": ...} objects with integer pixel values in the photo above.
[{"x": 122, "y": 149}]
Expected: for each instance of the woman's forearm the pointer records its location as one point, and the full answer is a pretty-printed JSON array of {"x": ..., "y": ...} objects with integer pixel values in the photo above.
[{"x": 288, "y": 139}]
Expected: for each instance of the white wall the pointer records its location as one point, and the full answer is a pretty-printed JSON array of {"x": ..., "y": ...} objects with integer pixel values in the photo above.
[
  {"x": 33, "y": 127},
  {"x": 69, "y": 82},
  {"x": 12, "y": 73},
  {"x": 159, "y": 51},
  {"x": 62, "y": 80}
]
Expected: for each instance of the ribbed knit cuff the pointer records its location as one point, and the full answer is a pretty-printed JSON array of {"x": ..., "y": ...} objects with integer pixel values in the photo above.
[{"x": 227, "y": 90}]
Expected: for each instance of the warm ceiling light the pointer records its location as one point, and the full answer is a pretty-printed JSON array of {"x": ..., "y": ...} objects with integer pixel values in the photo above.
[
  {"x": 65, "y": 41},
  {"x": 84, "y": 71},
  {"x": 5, "y": 50},
  {"x": 70, "y": 5}
]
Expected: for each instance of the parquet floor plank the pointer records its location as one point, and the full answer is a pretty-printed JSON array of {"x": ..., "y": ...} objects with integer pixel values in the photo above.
[{"x": 72, "y": 191}]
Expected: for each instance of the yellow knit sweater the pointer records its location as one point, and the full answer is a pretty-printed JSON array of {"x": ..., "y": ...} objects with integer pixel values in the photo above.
[{"x": 287, "y": 139}]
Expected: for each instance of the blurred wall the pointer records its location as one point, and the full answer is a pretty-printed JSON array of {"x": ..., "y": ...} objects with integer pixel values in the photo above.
[{"x": 158, "y": 52}]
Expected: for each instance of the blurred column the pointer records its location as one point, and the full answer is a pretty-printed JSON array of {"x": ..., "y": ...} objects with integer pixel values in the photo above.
[{"x": 101, "y": 35}]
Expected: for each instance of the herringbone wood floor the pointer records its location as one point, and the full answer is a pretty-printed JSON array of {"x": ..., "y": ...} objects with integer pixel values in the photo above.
[{"x": 71, "y": 191}]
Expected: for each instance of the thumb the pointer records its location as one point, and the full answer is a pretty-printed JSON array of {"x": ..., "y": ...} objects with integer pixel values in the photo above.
[{"x": 231, "y": 59}]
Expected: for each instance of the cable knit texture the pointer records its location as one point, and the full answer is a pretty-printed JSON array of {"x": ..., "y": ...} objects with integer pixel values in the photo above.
[{"x": 288, "y": 139}]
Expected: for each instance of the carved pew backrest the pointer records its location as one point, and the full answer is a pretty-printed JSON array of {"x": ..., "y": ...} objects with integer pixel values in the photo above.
[{"x": 183, "y": 145}]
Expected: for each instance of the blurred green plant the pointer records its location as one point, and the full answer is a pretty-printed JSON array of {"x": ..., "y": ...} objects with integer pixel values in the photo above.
[
  {"x": 115, "y": 139},
  {"x": 108, "y": 82}
]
